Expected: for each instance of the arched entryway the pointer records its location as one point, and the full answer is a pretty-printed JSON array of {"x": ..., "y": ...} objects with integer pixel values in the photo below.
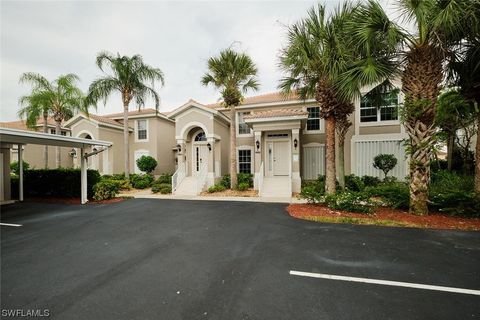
[
  {"x": 93, "y": 161},
  {"x": 199, "y": 154}
]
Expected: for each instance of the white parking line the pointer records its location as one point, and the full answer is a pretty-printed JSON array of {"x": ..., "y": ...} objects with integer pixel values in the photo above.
[
  {"x": 385, "y": 282},
  {"x": 10, "y": 224}
]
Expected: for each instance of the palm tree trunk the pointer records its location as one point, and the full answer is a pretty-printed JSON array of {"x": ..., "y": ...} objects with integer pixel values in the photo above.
[
  {"x": 233, "y": 148},
  {"x": 341, "y": 161},
  {"x": 330, "y": 155},
  {"x": 57, "y": 149},
  {"x": 477, "y": 158},
  {"x": 451, "y": 140},
  {"x": 125, "y": 141},
  {"x": 45, "y": 148}
]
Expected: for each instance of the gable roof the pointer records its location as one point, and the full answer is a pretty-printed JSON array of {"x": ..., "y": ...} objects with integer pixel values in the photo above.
[
  {"x": 22, "y": 125},
  {"x": 96, "y": 119},
  {"x": 192, "y": 103},
  {"x": 140, "y": 112},
  {"x": 271, "y": 97},
  {"x": 274, "y": 113}
]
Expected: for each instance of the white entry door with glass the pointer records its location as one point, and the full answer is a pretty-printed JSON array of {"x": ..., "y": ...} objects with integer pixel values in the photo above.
[
  {"x": 200, "y": 157},
  {"x": 278, "y": 157}
]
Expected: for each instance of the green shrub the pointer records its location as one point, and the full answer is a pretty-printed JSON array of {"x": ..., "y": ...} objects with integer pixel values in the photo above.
[
  {"x": 165, "y": 178},
  {"x": 243, "y": 186},
  {"x": 350, "y": 201},
  {"x": 146, "y": 164},
  {"x": 163, "y": 188},
  {"x": 354, "y": 183},
  {"x": 141, "y": 181},
  {"x": 120, "y": 184},
  {"x": 225, "y": 181},
  {"x": 14, "y": 167},
  {"x": 62, "y": 183},
  {"x": 396, "y": 195},
  {"x": 105, "y": 190},
  {"x": 384, "y": 162},
  {"x": 313, "y": 191},
  {"x": 370, "y": 181},
  {"x": 216, "y": 188},
  {"x": 241, "y": 178}
]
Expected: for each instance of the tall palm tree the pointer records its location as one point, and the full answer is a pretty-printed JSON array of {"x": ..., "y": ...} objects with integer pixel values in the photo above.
[
  {"x": 323, "y": 60},
  {"x": 233, "y": 73},
  {"x": 130, "y": 77},
  {"x": 61, "y": 97}
]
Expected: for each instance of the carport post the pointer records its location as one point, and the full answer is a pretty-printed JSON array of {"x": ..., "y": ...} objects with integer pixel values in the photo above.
[
  {"x": 20, "y": 172},
  {"x": 83, "y": 177}
]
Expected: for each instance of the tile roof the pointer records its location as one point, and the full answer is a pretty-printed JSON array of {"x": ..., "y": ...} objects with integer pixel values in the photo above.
[
  {"x": 20, "y": 124},
  {"x": 133, "y": 113},
  {"x": 263, "y": 98},
  {"x": 104, "y": 119},
  {"x": 276, "y": 113}
]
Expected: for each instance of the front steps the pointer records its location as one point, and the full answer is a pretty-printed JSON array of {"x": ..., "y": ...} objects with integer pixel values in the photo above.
[
  {"x": 276, "y": 187},
  {"x": 188, "y": 187}
]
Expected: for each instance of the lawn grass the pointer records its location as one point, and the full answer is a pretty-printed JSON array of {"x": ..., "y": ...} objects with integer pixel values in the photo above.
[{"x": 364, "y": 221}]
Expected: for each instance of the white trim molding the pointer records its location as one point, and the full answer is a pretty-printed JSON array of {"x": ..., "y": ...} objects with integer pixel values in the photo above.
[
  {"x": 136, "y": 130},
  {"x": 252, "y": 157}
]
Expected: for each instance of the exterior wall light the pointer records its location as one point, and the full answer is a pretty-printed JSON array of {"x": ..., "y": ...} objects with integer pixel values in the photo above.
[
  {"x": 179, "y": 147},
  {"x": 209, "y": 146},
  {"x": 73, "y": 153},
  {"x": 257, "y": 144},
  {"x": 295, "y": 143}
]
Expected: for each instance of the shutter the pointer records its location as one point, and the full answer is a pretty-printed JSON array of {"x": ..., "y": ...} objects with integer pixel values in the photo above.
[
  {"x": 313, "y": 163},
  {"x": 367, "y": 150}
]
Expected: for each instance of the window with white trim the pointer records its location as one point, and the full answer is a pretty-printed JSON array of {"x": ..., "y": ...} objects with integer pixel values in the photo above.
[
  {"x": 62, "y": 132},
  {"x": 388, "y": 112},
  {"x": 243, "y": 128},
  {"x": 245, "y": 161},
  {"x": 142, "y": 130},
  {"x": 313, "y": 121}
]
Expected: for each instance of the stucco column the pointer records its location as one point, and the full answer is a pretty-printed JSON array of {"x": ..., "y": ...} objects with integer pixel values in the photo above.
[
  {"x": 181, "y": 152},
  {"x": 211, "y": 162},
  {"x": 296, "y": 180},
  {"x": 257, "y": 158}
]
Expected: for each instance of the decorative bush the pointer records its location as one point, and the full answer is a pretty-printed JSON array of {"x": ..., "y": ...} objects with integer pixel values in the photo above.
[
  {"x": 350, "y": 201},
  {"x": 370, "y": 181},
  {"x": 396, "y": 195},
  {"x": 241, "y": 177},
  {"x": 225, "y": 181},
  {"x": 63, "y": 183},
  {"x": 15, "y": 168},
  {"x": 314, "y": 190},
  {"x": 120, "y": 184},
  {"x": 243, "y": 186},
  {"x": 165, "y": 178},
  {"x": 216, "y": 188},
  {"x": 385, "y": 162},
  {"x": 163, "y": 188},
  {"x": 146, "y": 164},
  {"x": 354, "y": 183},
  {"x": 141, "y": 181},
  {"x": 105, "y": 190}
]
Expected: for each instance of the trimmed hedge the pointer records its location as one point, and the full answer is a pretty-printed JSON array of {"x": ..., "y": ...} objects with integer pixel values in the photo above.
[
  {"x": 105, "y": 190},
  {"x": 62, "y": 183}
]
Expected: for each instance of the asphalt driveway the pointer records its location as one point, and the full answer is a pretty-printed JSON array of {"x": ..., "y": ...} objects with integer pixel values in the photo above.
[{"x": 173, "y": 259}]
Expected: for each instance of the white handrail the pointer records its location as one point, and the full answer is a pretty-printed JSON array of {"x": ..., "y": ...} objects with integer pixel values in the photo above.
[
  {"x": 260, "y": 175},
  {"x": 202, "y": 177},
  {"x": 178, "y": 176}
]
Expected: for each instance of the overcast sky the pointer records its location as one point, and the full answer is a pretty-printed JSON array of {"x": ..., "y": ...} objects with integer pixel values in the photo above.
[{"x": 53, "y": 38}]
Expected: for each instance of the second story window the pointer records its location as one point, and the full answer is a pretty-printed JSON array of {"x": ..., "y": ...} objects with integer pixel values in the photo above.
[
  {"x": 243, "y": 128},
  {"x": 142, "y": 130},
  {"x": 388, "y": 110},
  {"x": 313, "y": 121},
  {"x": 62, "y": 132}
]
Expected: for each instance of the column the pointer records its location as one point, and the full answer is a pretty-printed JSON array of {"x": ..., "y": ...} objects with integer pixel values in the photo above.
[
  {"x": 296, "y": 179},
  {"x": 257, "y": 147},
  {"x": 20, "y": 172},
  {"x": 211, "y": 161},
  {"x": 83, "y": 177}
]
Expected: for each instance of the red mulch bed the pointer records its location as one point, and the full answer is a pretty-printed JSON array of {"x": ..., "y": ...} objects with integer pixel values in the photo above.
[
  {"x": 73, "y": 200},
  {"x": 434, "y": 220}
]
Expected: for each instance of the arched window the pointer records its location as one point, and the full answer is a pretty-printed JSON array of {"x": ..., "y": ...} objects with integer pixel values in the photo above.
[{"x": 201, "y": 137}]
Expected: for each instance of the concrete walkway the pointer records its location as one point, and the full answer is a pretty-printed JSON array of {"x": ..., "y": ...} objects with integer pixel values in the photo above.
[{"x": 147, "y": 194}]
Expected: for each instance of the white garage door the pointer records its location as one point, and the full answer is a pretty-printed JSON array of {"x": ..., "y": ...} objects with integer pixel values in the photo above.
[
  {"x": 365, "y": 151},
  {"x": 313, "y": 162}
]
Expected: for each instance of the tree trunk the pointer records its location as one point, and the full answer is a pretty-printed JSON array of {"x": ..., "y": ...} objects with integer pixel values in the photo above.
[
  {"x": 58, "y": 131},
  {"x": 450, "y": 142},
  {"x": 126, "y": 145},
  {"x": 45, "y": 148},
  {"x": 477, "y": 158},
  {"x": 341, "y": 161},
  {"x": 233, "y": 148},
  {"x": 330, "y": 155}
]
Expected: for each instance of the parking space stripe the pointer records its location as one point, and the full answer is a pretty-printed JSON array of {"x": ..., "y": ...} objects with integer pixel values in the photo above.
[
  {"x": 385, "y": 282},
  {"x": 10, "y": 224}
]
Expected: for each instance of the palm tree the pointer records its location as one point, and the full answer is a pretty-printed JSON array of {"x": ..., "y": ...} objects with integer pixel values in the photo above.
[
  {"x": 324, "y": 60},
  {"x": 128, "y": 76},
  {"x": 61, "y": 98},
  {"x": 233, "y": 74}
]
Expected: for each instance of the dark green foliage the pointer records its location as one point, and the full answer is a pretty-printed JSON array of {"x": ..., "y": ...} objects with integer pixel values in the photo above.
[
  {"x": 14, "y": 167},
  {"x": 121, "y": 184},
  {"x": 141, "y": 181},
  {"x": 242, "y": 178},
  {"x": 396, "y": 195},
  {"x": 314, "y": 190},
  {"x": 370, "y": 181},
  {"x": 354, "y": 183},
  {"x": 163, "y": 188},
  {"x": 384, "y": 162},
  {"x": 217, "y": 188},
  {"x": 243, "y": 186},
  {"x": 105, "y": 189},
  {"x": 165, "y": 178},
  {"x": 63, "y": 183},
  {"x": 225, "y": 181},
  {"x": 146, "y": 164},
  {"x": 350, "y": 201}
]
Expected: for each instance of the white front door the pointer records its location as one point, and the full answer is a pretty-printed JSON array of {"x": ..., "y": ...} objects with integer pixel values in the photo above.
[
  {"x": 281, "y": 156},
  {"x": 200, "y": 157}
]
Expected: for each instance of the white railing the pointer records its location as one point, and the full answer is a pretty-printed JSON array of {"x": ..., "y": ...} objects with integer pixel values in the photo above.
[
  {"x": 178, "y": 176},
  {"x": 260, "y": 175},
  {"x": 202, "y": 177}
]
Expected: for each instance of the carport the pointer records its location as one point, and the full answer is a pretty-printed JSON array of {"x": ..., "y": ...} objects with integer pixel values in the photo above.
[{"x": 9, "y": 137}]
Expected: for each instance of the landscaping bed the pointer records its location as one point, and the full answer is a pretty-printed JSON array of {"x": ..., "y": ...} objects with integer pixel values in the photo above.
[
  {"x": 232, "y": 193},
  {"x": 383, "y": 216}
]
